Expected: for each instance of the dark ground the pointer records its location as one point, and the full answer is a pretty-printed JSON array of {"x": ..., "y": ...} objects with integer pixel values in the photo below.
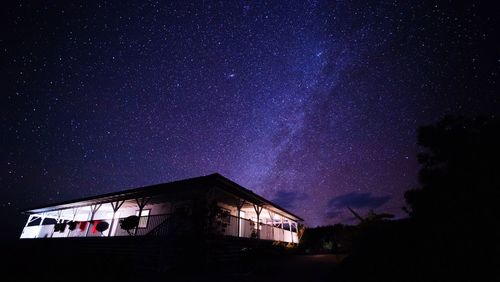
[
  {"x": 25, "y": 261},
  {"x": 290, "y": 267}
]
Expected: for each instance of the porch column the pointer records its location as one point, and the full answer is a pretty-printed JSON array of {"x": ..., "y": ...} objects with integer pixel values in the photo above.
[
  {"x": 42, "y": 218},
  {"x": 59, "y": 212},
  {"x": 30, "y": 219},
  {"x": 283, "y": 228},
  {"x": 239, "y": 205},
  {"x": 141, "y": 203},
  {"x": 290, "y": 226},
  {"x": 258, "y": 210},
  {"x": 93, "y": 211},
  {"x": 115, "y": 205},
  {"x": 271, "y": 215},
  {"x": 75, "y": 211},
  {"x": 58, "y": 220}
]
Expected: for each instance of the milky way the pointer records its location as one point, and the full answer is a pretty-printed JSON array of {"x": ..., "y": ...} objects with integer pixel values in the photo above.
[{"x": 313, "y": 104}]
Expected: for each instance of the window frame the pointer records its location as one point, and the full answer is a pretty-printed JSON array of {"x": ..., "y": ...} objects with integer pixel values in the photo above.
[{"x": 142, "y": 215}]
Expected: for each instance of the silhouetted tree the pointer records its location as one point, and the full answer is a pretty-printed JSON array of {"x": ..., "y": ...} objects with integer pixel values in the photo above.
[
  {"x": 452, "y": 231},
  {"x": 328, "y": 239},
  {"x": 460, "y": 174},
  {"x": 456, "y": 206}
]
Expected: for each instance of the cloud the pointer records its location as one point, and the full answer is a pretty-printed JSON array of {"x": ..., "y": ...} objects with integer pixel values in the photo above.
[
  {"x": 333, "y": 213},
  {"x": 354, "y": 200},
  {"x": 288, "y": 199}
]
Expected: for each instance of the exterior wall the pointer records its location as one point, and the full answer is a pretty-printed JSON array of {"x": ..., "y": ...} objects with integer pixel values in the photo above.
[
  {"x": 124, "y": 212},
  {"x": 161, "y": 208},
  {"x": 30, "y": 232},
  {"x": 82, "y": 216},
  {"x": 102, "y": 214},
  {"x": 60, "y": 234},
  {"x": 180, "y": 205},
  {"x": 45, "y": 231}
]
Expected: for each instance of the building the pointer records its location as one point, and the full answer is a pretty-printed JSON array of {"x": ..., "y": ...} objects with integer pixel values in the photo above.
[{"x": 203, "y": 206}]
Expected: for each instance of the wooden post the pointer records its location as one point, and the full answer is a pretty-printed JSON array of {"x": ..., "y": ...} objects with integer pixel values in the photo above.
[
  {"x": 59, "y": 212},
  {"x": 141, "y": 203},
  {"x": 93, "y": 210},
  {"x": 42, "y": 218},
  {"x": 115, "y": 206},
  {"x": 58, "y": 219},
  {"x": 290, "y": 227},
  {"x": 75, "y": 211},
  {"x": 239, "y": 205},
  {"x": 29, "y": 220},
  {"x": 258, "y": 210},
  {"x": 271, "y": 215},
  {"x": 283, "y": 228}
]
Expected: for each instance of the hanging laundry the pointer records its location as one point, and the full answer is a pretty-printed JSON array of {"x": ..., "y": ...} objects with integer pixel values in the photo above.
[
  {"x": 94, "y": 225},
  {"x": 72, "y": 225},
  {"x": 83, "y": 225}
]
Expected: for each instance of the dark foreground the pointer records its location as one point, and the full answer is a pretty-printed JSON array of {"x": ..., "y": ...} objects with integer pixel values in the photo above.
[
  {"x": 288, "y": 267},
  {"x": 67, "y": 260}
]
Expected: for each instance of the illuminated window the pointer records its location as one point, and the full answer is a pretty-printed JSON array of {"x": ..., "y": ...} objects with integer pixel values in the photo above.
[{"x": 143, "y": 221}]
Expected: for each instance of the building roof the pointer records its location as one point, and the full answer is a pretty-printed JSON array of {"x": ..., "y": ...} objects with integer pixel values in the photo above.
[{"x": 216, "y": 178}]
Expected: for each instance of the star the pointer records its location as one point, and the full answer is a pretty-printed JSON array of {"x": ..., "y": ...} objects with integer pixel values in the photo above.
[{"x": 304, "y": 103}]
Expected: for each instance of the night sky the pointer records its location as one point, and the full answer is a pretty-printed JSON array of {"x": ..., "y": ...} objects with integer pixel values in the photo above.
[{"x": 314, "y": 105}]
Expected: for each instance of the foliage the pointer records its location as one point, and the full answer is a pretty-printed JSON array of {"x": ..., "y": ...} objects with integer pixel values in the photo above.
[
  {"x": 328, "y": 239},
  {"x": 300, "y": 230},
  {"x": 371, "y": 217},
  {"x": 253, "y": 231},
  {"x": 216, "y": 217},
  {"x": 328, "y": 245},
  {"x": 452, "y": 229},
  {"x": 129, "y": 223},
  {"x": 460, "y": 173},
  {"x": 102, "y": 226}
]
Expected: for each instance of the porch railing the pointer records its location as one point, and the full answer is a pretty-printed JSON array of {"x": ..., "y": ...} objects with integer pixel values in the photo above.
[
  {"x": 228, "y": 226},
  {"x": 163, "y": 225}
]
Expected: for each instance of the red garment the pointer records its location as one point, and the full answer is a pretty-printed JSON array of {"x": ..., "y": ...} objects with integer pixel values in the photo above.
[
  {"x": 94, "y": 225},
  {"x": 83, "y": 225}
]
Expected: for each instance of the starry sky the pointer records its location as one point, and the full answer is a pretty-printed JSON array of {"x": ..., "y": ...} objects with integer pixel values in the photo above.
[{"x": 313, "y": 104}]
